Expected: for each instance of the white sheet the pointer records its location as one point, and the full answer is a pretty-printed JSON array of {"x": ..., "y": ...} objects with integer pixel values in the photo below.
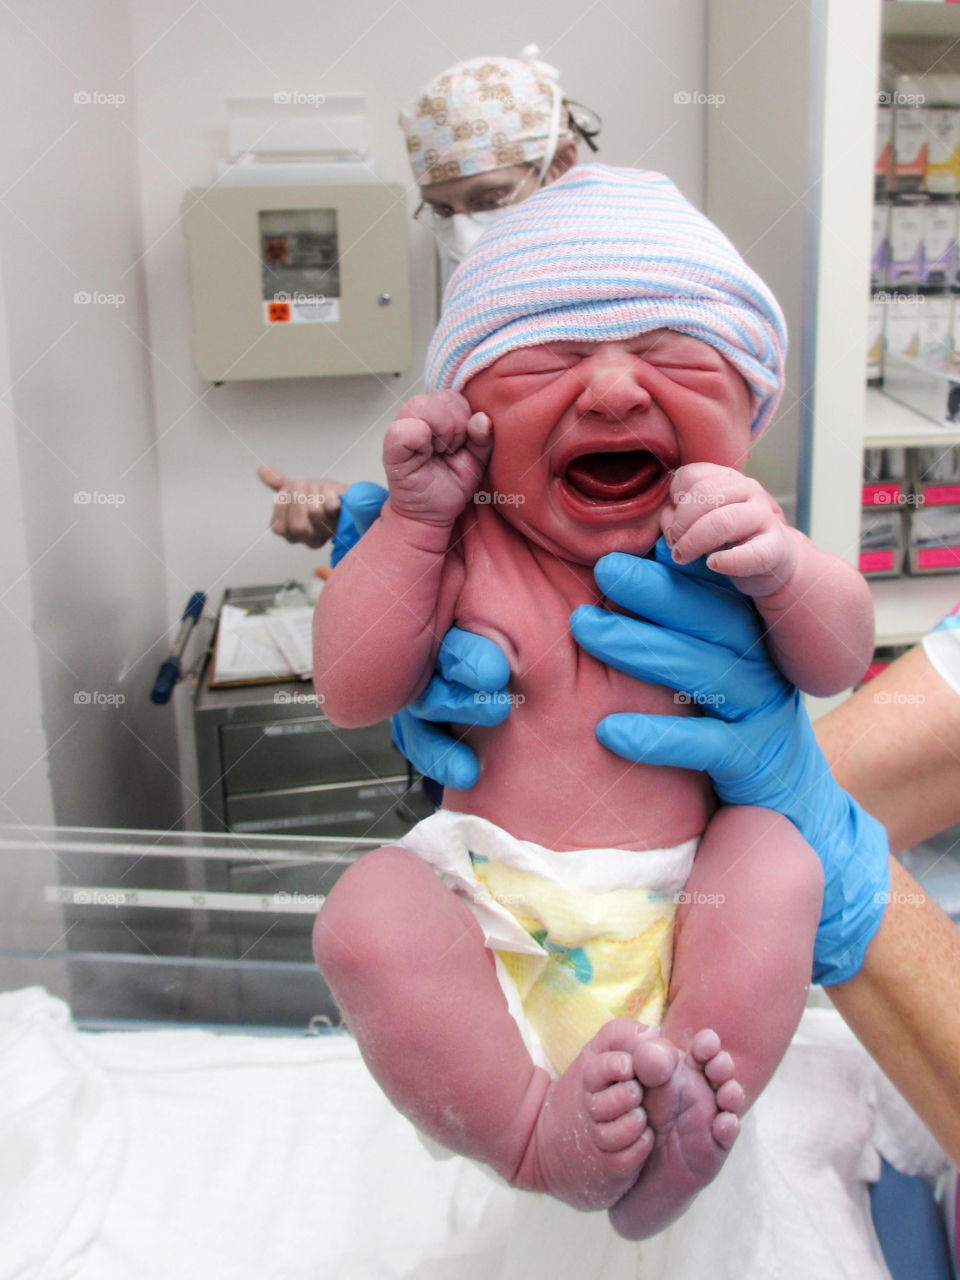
[{"x": 184, "y": 1154}]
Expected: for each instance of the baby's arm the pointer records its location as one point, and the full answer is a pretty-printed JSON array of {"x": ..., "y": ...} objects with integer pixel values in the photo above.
[
  {"x": 817, "y": 608},
  {"x": 384, "y": 611}
]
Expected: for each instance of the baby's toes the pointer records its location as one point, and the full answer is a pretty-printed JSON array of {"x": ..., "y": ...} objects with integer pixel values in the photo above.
[
  {"x": 725, "y": 1127},
  {"x": 719, "y": 1069},
  {"x": 704, "y": 1046},
  {"x": 730, "y": 1097},
  {"x": 654, "y": 1061},
  {"x": 621, "y": 1133},
  {"x": 614, "y": 1101}
]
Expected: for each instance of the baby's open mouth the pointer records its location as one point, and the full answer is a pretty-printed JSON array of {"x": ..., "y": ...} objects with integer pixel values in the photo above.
[{"x": 613, "y": 477}]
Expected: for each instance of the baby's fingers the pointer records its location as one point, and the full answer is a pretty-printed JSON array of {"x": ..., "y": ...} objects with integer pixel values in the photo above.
[
  {"x": 721, "y": 527},
  {"x": 766, "y": 554},
  {"x": 407, "y": 439}
]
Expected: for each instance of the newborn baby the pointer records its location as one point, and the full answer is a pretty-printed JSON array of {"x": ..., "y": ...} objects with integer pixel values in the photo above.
[{"x": 506, "y": 968}]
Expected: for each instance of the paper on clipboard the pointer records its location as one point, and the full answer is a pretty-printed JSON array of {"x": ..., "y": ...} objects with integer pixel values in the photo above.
[{"x": 247, "y": 649}]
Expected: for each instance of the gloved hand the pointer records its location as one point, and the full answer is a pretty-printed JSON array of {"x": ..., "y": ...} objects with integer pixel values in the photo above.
[
  {"x": 704, "y": 639},
  {"x": 469, "y": 686}
]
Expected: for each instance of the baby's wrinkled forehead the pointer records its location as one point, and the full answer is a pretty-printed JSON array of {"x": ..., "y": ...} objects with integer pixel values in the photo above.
[{"x": 606, "y": 254}]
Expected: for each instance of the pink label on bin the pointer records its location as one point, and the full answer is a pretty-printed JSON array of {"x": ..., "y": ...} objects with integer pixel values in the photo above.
[
  {"x": 937, "y": 557},
  {"x": 874, "y": 670},
  {"x": 881, "y": 494},
  {"x": 874, "y": 561},
  {"x": 940, "y": 493}
]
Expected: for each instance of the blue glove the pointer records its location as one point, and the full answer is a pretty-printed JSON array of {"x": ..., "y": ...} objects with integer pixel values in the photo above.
[
  {"x": 469, "y": 688},
  {"x": 704, "y": 639},
  {"x": 359, "y": 507}
]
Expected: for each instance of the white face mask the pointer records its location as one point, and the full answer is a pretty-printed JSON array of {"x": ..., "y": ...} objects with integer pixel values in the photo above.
[{"x": 457, "y": 235}]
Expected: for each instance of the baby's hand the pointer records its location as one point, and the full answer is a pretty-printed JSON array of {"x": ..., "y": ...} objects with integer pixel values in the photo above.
[
  {"x": 434, "y": 454},
  {"x": 721, "y": 514}
]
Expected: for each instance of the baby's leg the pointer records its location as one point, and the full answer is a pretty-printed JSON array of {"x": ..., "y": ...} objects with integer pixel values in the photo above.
[
  {"x": 743, "y": 953},
  {"x": 407, "y": 964}
]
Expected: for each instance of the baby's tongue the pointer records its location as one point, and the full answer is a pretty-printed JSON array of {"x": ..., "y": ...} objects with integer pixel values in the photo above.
[{"x": 613, "y": 477}]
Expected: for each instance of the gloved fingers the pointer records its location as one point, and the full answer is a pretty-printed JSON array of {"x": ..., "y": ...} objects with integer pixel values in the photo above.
[
  {"x": 687, "y": 599},
  {"x": 683, "y": 742},
  {"x": 445, "y": 701},
  {"x": 363, "y": 501},
  {"x": 434, "y": 753},
  {"x": 472, "y": 660},
  {"x": 711, "y": 675}
]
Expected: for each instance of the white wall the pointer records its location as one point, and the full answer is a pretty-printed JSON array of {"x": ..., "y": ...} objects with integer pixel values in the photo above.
[
  {"x": 106, "y": 398},
  {"x": 77, "y": 387}
]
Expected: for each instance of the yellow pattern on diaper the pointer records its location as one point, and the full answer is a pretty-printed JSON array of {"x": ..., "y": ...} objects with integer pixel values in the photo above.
[{"x": 609, "y": 955}]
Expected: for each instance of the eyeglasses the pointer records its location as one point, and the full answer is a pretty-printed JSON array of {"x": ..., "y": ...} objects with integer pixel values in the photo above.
[{"x": 489, "y": 201}]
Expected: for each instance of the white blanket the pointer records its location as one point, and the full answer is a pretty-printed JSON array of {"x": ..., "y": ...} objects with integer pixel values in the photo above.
[{"x": 174, "y": 1155}]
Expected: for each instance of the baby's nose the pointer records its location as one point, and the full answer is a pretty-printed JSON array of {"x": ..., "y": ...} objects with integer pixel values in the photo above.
[{"x": 613, "y": 392}]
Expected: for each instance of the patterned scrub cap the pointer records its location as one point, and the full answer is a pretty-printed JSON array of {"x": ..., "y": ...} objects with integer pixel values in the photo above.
[
  {"x": 483, "y": 114},
  {"x": 604, "y": 254}
]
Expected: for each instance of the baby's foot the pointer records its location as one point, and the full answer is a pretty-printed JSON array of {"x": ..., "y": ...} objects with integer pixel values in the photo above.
[
  {"x": 694, "y": 1119},
  {"x": 592, "y": 1136}
]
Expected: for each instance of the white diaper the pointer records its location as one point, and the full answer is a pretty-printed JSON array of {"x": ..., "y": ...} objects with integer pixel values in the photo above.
[{"x": 580, "y": 936}]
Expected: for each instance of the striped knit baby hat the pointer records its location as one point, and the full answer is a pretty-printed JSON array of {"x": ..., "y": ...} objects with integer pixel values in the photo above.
[{"x": 600, "y": 255}]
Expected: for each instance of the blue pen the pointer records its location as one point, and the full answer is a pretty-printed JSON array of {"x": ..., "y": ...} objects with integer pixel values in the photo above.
[{"x": 169, "y": 673}]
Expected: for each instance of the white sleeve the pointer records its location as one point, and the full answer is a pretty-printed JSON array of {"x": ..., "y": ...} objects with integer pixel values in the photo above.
[{"x": 942, "y": 647}]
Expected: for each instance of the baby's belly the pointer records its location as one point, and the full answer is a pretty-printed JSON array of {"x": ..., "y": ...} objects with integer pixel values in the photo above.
[{"x": 545, "y": 777}]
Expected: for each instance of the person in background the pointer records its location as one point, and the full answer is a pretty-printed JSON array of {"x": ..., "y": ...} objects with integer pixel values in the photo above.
[{"x": 481, "y": 136}]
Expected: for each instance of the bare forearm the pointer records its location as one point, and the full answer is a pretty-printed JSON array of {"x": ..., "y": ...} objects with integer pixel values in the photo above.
[
  {"x": 377, "y": 623},
  {"x": 895, "y": 746},
  {"x": 820, "y": 623},
  {"x": 902, "y": 1006}
]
